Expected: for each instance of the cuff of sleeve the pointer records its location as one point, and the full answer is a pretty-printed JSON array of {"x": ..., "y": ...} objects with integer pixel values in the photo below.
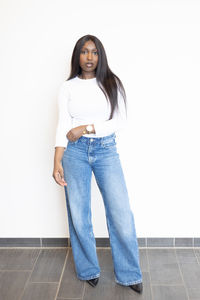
[{"x": 61, "y": 143}]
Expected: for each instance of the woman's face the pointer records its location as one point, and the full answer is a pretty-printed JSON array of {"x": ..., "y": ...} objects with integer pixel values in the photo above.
[{"x": 88, "y": 58}]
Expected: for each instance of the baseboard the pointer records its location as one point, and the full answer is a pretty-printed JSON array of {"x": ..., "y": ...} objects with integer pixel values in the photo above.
[{"x": 100, "y": 242}]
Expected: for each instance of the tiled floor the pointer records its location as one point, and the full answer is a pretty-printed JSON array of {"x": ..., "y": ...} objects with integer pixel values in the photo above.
[{"x": 49, "y": 274}]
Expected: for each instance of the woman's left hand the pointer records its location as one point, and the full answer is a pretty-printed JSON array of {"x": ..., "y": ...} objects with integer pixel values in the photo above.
[{"x": 75, "y": 133}]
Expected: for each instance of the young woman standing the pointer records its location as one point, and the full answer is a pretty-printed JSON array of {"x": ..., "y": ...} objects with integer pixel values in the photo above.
[{"x": 91, "y": 109}]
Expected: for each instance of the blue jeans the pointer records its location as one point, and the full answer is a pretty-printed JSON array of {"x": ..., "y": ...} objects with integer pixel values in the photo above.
[{"x": 99, "y": 155}]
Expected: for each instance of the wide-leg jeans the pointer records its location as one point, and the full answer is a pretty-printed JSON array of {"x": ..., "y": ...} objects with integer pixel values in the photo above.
[{"x": 100, "y": 156}]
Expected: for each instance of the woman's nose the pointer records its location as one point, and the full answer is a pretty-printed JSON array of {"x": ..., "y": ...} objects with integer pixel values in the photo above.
[{"x": 89, "y": 55}]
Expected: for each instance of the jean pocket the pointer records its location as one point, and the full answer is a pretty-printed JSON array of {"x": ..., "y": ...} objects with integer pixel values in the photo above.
[
  {"x": 109, "y": 143},
  {"x": 72, "y": 142}
]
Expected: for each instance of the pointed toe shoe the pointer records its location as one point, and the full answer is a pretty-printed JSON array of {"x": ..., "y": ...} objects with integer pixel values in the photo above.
[
  {"x": 137, "y": 287},
  {"x": 93, "y": 282}
]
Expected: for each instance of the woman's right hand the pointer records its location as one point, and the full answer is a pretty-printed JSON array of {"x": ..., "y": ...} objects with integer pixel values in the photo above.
[{"x": 58, "y": 174}]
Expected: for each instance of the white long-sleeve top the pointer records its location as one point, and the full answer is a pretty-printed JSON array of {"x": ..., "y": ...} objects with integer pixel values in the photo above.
[{"x": 82, "y": 102}]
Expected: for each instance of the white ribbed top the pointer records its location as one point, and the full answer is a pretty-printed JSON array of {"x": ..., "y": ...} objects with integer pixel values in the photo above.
[{"x": 82, "y": 102}]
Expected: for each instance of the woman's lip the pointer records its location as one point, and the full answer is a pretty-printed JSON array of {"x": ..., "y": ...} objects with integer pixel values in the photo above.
[{"x": 89, "y": 64}]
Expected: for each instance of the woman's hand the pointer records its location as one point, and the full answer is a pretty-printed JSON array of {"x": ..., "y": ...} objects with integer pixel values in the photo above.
[
  {"x": 58, "y": 174},
  {"x": 75, "y": 133}
]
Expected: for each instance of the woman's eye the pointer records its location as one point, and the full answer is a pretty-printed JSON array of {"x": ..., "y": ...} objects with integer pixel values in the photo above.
[{"x": 83, "y": 51}]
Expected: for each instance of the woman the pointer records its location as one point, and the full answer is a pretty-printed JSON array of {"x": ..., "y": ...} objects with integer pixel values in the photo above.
[{"x": 85, "y": 143}]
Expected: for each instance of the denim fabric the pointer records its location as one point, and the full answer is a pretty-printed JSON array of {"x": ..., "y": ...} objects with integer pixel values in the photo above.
[{"x": 100, "y": 156}]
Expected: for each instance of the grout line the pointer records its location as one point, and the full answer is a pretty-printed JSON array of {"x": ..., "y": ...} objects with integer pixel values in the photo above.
[
  {"x": 198, "y": 260},
  {"x": 149, "y": 273},
  {"x": 50, "y": 282},
  {"x": 20, "y": 297},
  {"x": 69, "y": 298},
  {"x": 54, "y": 247},
  {"x": 181, "y": 274},
  {"x": 83, "y": 290},
  {"x": 62, "y": 274},
  {"x": 167, "y": 284}
]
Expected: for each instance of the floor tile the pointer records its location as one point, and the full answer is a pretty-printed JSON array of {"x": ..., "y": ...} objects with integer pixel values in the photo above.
[
  {"x": 40, "y": 290},
  {"x": 186, "y": 256},
  {"x": 143, "y": 260},
  {"x": 12, "y": 284},
  {"x": 157, "y": 257},
  {"x": 49, "y": 265},
  {"x": 169, "y": 292},
  {"x": 70, "y": 286},
  {"x": 191, "y": 274},
  {"x": 105, "y": 259},
  {"x": 18, "y": 259},
  {"x": 194, "y": 293},
  {"x": 166, "y": 274}
]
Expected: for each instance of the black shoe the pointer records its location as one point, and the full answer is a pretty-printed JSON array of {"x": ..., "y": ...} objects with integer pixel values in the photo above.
[
  {"x": 93, "y": 282},
  {"x": 137, "y": 287}
]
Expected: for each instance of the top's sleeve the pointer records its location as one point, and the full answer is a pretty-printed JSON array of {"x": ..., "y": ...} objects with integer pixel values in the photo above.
[
  {"x": 119, "y": 120},
  {"x": 64, "y": 117}
]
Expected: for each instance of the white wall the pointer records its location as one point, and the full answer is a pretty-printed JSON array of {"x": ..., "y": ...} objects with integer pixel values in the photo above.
[{"x": 153, "y": 46}]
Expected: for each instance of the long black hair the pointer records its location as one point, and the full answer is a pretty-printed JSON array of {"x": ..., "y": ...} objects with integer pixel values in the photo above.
[{"x": 108, "y": 82}]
